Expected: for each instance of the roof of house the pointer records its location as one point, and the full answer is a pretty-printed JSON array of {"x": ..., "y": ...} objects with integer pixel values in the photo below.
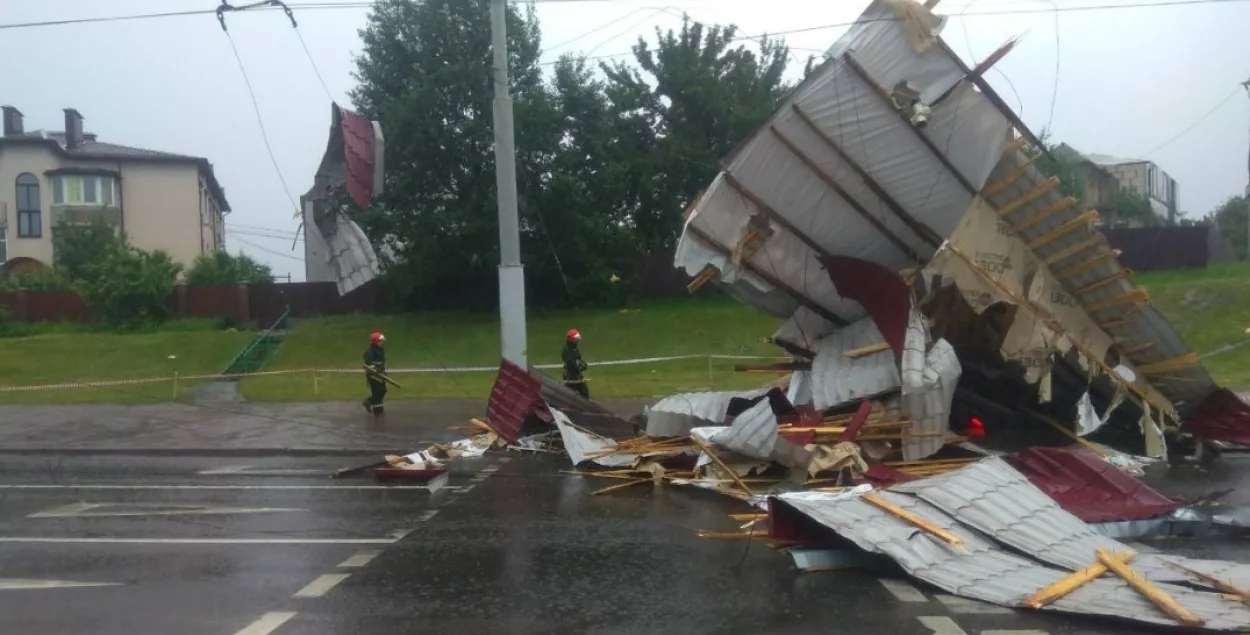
[
  {"x": 91, "y": 148},
  {"x": 1107, "y": 159}
]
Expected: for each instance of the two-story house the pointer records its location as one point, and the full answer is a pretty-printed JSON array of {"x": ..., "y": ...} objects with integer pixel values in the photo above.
[{"x": 160, "y": 200}]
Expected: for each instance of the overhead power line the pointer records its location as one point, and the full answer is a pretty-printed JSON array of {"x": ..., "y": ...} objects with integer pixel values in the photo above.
[
  {"x": 312, "y": 6},
  {"x": 1197, "y": 122},
  {"x": 267, "y": 250}
]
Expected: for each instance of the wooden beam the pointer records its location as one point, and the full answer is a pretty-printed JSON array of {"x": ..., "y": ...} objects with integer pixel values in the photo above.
[
  {"x": 1044, "y": 214},
  {"x": 1053, "y": 592},
  {"x": 1123, "y": 274},
  {"x": 732, "y": 474},
  {"x": 1222, "y": 585},
  {"x": 1133, "y": 296},
  {"x": 921, "y": 230},
  {"x": 1016, "y": 145},
  {"x": 993, "y": 58},
  {"x": 998, "y": 186},
  {"x": 707, "y": 275},
  {"x": 1188, "y": 360},
  {"x": 829, "y": 181},
  {"x": 889, "y": 103},
  {"x": 1031, "y": 195},
  {"x": 774, "y": 215},
  {"x": 864, "y": 351},
  {"x": 815, "y": 306},
  {"x": 1086, "y": 265},
  {"x": 1136, "y": 348},
  {"x": 1086, "y": 219},
  {"x": 912, "y": 519},
  {"x": 1148, "y": 589},
  {"x": 1072, "y": 250}
]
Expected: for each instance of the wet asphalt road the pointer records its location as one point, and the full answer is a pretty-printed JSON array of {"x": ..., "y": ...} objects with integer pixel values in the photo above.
[{"x": 510, "y": 546}]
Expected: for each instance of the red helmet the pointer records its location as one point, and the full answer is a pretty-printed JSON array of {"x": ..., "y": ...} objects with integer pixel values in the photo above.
[
  {"x": 573, "y": 335},
  {"x": 377, "y": 338}
]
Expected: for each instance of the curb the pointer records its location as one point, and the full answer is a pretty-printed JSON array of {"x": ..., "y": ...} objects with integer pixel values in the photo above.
[{"x": 205, "y": 452}]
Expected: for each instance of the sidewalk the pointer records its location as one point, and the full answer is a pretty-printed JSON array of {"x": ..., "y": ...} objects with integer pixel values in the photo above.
[{"x": 246, "y": 428}]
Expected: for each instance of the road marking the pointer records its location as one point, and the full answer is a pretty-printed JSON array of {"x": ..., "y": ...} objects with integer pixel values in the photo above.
[
  {"x": 15, "y": 584},
  {"x": 245, "y": 470},
  {"x": 505, "y": 459},
  {"x": 490, "y": 469},
  {"x": 1016, "y": 632},
  {"x": 468, "y": 488},
  {"x": 969, "y": 606},
  {"x": 203, "y": 541},
  {"x": 268, "y": 623},
  {"x": 212, "y": 487},
  {"x": 903, "y": 591},
  {"x": 321, "y": 585},
  {"x": 428, "y": 515},
  {"x": 360, "y": 559},
  {"x": 85, "y": 510},
  {"x": 399, "y": 534},
  {"x": 941, "y": 625}
]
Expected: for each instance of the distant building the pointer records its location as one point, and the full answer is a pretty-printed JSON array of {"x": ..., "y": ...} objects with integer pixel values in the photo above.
[
  {"x": 165, "y": 201},
  {"x": 1100, "y": 185},
  {"x": 1146, "y": 180}
]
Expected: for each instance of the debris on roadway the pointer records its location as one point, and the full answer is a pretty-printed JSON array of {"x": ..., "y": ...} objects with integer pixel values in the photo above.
[{"x": 974, "y": 381}]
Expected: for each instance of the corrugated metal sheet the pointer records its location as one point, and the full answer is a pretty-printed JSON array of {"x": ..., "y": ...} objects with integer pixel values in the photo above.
[
  {"x": 514, "y": 396},
  {"x": 1088, "y": 487},
  {"x": 754, "y": 433},
  {"x": 578, "y": 442},
  {"x": 981, "y": 570},
  {"x": 676, "y": 415},
  {"x": 838, "y": 379},
  {"x": 929, "y": 382},
  {"x": 1221, "y": 416}
]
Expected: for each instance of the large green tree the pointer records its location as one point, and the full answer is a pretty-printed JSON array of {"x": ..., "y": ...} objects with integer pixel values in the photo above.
[
  {"x": 691, "y": 99},
  {"x": 1230, "y": 219}
]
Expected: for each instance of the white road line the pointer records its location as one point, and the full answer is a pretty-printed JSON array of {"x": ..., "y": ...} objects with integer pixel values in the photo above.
[
  {"x": 84, "y": 510},
  {"x": 15, "y": 584},
  {"x": 360, "y": 559},
  {"x": 245, "y": 471},
  {"x": 1014, "y": 632},
  {"x": 226, "y": 470},
  {"x": 505, "y": 459},
  {"x": 903, "y": 591},
  {"x": 47, "y": 486},
  {"x": 489, "y": 469},
  {"x": 428, "y": 515},
  {"x": 321, "y": 585},
  {"x": 468, "y": 488},
  {"x": 201, "y": 541},
  {"x": 399, "y": 534},
  {"x": 268, "y": 623},
  {"x": 941, "y": 625},
  {"x": 968, "y": 606}
]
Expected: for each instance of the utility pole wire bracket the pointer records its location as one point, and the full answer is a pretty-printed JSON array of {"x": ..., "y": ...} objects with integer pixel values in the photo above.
[{"x": 226, "y": 6}]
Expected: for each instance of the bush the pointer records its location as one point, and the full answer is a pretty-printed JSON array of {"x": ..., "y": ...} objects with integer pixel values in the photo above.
[
  {"x": 130, "y": 287},
  {"x": 35, "y": 280},
  {"x": 223, "y": 268},
  {"x": 78, "y": 247}
]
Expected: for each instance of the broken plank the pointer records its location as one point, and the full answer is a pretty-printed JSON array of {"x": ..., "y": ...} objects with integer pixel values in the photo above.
[
  {"x": 912, "y": 519},
  {"x": 1148, "y": 589},
  {"x": 1058, "y": 589}
]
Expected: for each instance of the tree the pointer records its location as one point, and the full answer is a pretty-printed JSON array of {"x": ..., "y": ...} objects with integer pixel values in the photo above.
[
  {"x": 76, "y": 247},
  {"x": 130, "y": 287},
  {"x": 1230, "y": 219},
  {"x": 701, "y": 97},
  {"x": 424, "y": 73},
  {"x": 223, "y": 268},
  {"x": 35, "y": 280}
]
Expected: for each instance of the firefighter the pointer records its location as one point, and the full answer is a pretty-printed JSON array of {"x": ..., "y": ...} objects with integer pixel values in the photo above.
[
  {"x": 574, "y": 366},
  {"x": 375, "y": 360}
]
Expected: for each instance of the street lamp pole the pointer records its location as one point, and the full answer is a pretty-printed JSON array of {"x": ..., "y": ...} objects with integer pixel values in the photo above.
[{"x": 511, "y": 271}]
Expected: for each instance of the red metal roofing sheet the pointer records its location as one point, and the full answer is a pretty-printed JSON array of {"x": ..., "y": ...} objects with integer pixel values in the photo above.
[
  {"x": 1222, "y": 416},
  {"x": 881, "y": 291},
  {"x": 1088, "y": 487},
  {"x": 358, "y": 149},
  {"x": 515, "y": 395}
]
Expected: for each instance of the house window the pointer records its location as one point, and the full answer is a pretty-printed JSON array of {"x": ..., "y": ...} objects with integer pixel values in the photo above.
[
  {"x": 91, "y": 191},
  {"x": 29, "y": 212},
  {"x": 4, "y": 245}
]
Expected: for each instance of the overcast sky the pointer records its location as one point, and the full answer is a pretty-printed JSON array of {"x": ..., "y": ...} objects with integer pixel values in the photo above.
[{"x": 1130, "y": 81}]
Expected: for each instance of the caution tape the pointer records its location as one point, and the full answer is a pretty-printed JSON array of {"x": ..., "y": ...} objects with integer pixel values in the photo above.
[{"x": 391, "y": 371}]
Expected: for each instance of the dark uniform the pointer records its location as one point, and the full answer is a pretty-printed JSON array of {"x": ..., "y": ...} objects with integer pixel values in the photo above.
[
  {"x": 574, "y": 369},
  {"x": 375, "y": 356}
]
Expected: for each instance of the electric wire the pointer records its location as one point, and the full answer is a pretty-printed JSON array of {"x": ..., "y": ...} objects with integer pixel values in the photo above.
[
  {"x": 1190, "y": 127},
  {"x": 264, "y": 134},
  {"x": 273, "y": 252}
]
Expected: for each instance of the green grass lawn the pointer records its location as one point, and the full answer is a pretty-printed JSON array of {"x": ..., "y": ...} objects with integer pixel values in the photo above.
[
  {"x": 57, "y": 354},
  {"x": 1209, "y": 308},
  {"x": 684, "y": 326}
]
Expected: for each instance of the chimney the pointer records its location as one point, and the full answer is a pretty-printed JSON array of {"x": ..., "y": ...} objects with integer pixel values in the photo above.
[
  {"x": 12, "y": 122},
  {"x": 73, "y": 129}
]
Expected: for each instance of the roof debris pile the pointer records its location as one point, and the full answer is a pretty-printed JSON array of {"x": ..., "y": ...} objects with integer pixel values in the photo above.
[{"x": 952, "y": 318}]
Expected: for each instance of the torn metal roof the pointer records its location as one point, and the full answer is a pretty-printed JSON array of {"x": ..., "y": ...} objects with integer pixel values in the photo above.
[{"x": 841, "y": 169}]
